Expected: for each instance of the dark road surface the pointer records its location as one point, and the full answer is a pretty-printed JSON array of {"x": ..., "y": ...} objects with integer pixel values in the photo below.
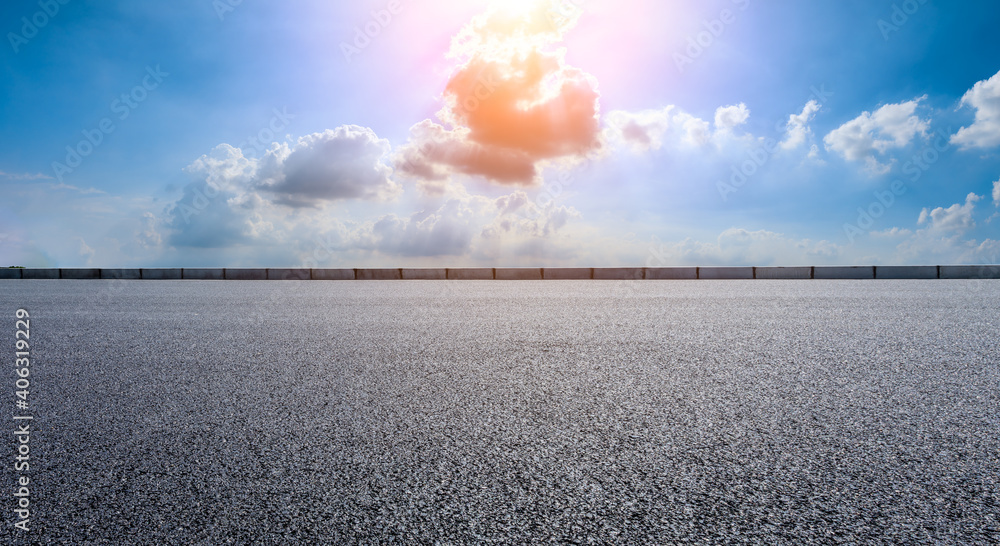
[{"x": 492, "y": 412}]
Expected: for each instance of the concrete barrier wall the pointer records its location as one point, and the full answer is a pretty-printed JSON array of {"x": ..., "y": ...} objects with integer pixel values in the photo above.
[
  {"x": 896, "y": 272},
  {"x": 39, "y": 273},
  {"x": 518, "y": 273},
  {"x": 233, "y": 274},
  {"x": 671, "y": 273},
  {"x": 378, "y": 274},
  {"x": 203, "y": 274},
  {"x": 161, "y": 274},
  {"x": 10, "y": 273},
  {"x": 725, "y": 273},
  {"x": 970, "y": 271},
  {"x": 279, "y": 274},
  {"x": 470, "y": 274},
  {"x": 567, "y": 273},
  {"x": 334, "y": 274},
  {"x": 514, "y": 273},
  {"x": 618, "y": 273},
  {"x": 849, "y": 272},
  {"x": 789, "y": 273},
  {"x": 123, "y": 274},
  {"x": 80, "y": 274},
  {"x": 425, "y": 274}
]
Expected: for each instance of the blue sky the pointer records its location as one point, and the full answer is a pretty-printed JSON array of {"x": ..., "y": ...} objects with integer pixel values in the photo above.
[{"x": 548, "y": 133}]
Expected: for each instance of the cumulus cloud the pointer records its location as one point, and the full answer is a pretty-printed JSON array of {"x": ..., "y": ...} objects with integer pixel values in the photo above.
[
  {"x": 148, "y": 233},
  {"x": 985, "y": 130},
  {"x": 941, "y": 237},
  {"x": 652, "y": 129},
  {"x": 345, "y": 163},
  {"x": 695, "y": 130},
  {"x": 730, "y": 117},
  {"x": 642, "y": 130},
  {"x": 957, "y": 217},
  {"x": 873, "y": 134},
  {"x": 225, "y": 167},
  {"x": 237, "y": 200},
  {"x": 929, "y": 247},
  {"x": 447, "y": 231},
  {"x": 996, "y": 193},
  {"x": 340, "y": 164},
  {"x": 510, "y": 105},
  {"x": 243, "y": 203},
  {"x": 519, "y": 217},
  {"x": 198, "y": 221},
  {"x": 797, "y": 129}
]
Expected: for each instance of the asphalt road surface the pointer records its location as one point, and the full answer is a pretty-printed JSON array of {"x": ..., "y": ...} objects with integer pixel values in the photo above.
[{"x": 507, "y": 412}]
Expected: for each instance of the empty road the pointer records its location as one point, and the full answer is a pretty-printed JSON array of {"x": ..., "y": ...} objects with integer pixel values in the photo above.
[{"x": 183, "y": 412}]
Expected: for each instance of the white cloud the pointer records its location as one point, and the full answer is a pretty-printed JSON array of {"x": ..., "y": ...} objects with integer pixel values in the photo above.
[
  {"x": 985, "y": 130},
  {"x": 226, "y": 168},
  {"x": 942, "y": 239},
  {"x": 519, "y": 217},
  {"x": 797, "y": 129},
  {"x": 345, "y": 163},
  {"x": 148, "y": 233},
  {"x": 447, "y": 231},
  {"x": 246, "y": 208},
  {"x": 238, "y": 200},
  {"x": 696, "y": 130},
  {"x": 653, "y": 129},
  {"x": 730, "y": 117},
  {"x": 873, "y": 134},
  {"x": 957, "y": 218},
  {"x": 931, "y": 247},
  {"x": 642, "y": 130},
  {"x": 996, "y": 193}
]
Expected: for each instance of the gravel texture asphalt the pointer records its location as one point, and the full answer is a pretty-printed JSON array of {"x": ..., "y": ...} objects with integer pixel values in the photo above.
[{"x": 445, "y": 412}]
